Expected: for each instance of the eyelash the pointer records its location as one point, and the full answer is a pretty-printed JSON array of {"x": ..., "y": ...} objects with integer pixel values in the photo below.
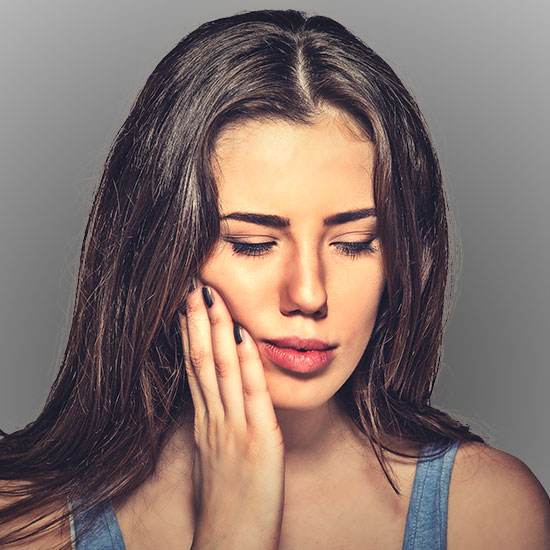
[{"x": 351, "y": 249}]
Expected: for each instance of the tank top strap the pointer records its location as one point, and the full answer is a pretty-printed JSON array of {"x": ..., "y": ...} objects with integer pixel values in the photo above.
[
  {"x": 426, "y": 527},
  {"x": 104, "y": 532}
]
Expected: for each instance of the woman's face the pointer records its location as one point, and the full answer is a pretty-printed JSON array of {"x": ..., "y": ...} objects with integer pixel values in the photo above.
[{"x": 310, "y": 270}]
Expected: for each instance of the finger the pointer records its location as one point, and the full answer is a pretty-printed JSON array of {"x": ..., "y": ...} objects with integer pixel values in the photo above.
[
  {"x": 226, "y": 360},
  {"x": 258, "y": 406},
  {"x": 201, "y": 355},
  {"x": 196, "y": 392}
]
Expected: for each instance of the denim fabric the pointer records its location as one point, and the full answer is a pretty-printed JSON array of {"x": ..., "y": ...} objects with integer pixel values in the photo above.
[
  {"x": 426, "y": 527},
  {"x": 104, "y": 533}
]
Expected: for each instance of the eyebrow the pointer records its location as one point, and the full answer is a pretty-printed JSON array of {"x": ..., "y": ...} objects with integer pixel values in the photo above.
[{"x": 270, "y": 220}]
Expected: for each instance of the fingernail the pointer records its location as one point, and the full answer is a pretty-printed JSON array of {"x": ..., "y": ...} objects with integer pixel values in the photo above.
[
  {"x": 192, "y": 285},
  {"x": 238, "y": 333},
  {"x": 207, "y": 295}
]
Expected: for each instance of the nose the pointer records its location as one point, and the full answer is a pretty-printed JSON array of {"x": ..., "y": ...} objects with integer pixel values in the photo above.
[{"x": 303, "y": 289}]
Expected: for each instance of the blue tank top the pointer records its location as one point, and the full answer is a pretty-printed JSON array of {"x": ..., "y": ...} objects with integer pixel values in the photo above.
[{"x": 426, "y": 527}]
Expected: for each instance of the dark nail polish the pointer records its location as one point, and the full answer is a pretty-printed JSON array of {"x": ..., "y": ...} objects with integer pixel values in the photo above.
[
  {"x": 192, "y": 286},
  {"x": 238, "y": 333},
  {"x": 207, "y": 295}
]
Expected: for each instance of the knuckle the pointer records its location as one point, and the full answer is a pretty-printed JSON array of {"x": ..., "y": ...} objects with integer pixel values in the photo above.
[
  {"x": 212, "y": 431},
  {"x": 215, "y": 318},
  {"x": 198, "y": 357},
  {"x": 206, "y": 434},
  {"x": 192, "y": 306},
  {"x": 223, "y": 368},
  {"x": 253, "y": 391}
]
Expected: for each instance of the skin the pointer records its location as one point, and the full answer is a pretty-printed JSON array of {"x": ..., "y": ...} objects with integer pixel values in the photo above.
[
  {"x": 315, "y": 275},
  {"x": 306, "y": 285},
  {"x": 335, "y": 493}
]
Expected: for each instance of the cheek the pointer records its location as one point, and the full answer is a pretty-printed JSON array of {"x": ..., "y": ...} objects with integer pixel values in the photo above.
[
  {"x": 359, "y": 314},
  {"x": 246, "y": 292},
  {"x": 362, "y": 314},
  {"x": 363, "y": 289}
]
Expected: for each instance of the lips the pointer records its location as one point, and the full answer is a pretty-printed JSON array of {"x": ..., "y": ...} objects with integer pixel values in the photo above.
[
  {"x": 302, "y": 344},
  {"x": 298, "y": 354}
]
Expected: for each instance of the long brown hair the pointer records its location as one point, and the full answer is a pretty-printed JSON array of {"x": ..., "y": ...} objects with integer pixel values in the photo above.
[{"x": 121, "y": 386}]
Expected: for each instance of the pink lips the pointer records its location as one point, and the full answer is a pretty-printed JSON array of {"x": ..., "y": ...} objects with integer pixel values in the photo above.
[{"x": 298, "y": 354}]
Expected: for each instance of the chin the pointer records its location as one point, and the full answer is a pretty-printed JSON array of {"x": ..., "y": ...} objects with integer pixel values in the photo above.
[
  {"x": 305, "y": 399},
  {"x": 296, "y": 406}
]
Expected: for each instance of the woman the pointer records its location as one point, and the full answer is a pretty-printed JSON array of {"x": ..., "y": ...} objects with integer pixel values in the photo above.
[{"x": 258, "y": 322}]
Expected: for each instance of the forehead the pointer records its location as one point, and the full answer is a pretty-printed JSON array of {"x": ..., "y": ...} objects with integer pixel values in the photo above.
[{"x": 276, "y": 163}]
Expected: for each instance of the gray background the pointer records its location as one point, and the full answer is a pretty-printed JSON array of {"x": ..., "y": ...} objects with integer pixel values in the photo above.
[{"x": 479, "y": 70}]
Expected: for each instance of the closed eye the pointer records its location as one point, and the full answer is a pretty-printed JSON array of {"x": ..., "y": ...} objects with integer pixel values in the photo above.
[
  {"x": 351, "y": 249},
  {"x": 251, "y": 249},
  {"x": 356, "y": 248}
]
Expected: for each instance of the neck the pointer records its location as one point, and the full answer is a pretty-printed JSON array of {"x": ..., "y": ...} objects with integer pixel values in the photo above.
[
  {"x": 315, "y": 436},
  {"x": 311, "y": 437}
]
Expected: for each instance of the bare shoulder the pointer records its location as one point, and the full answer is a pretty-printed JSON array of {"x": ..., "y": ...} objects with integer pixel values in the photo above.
[
  {"x": 495, "y": 502},
  {"x": 58, "y": 539}
]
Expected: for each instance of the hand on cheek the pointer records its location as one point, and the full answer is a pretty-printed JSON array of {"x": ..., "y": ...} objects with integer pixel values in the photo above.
[{"x": 239, "y": 448}]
